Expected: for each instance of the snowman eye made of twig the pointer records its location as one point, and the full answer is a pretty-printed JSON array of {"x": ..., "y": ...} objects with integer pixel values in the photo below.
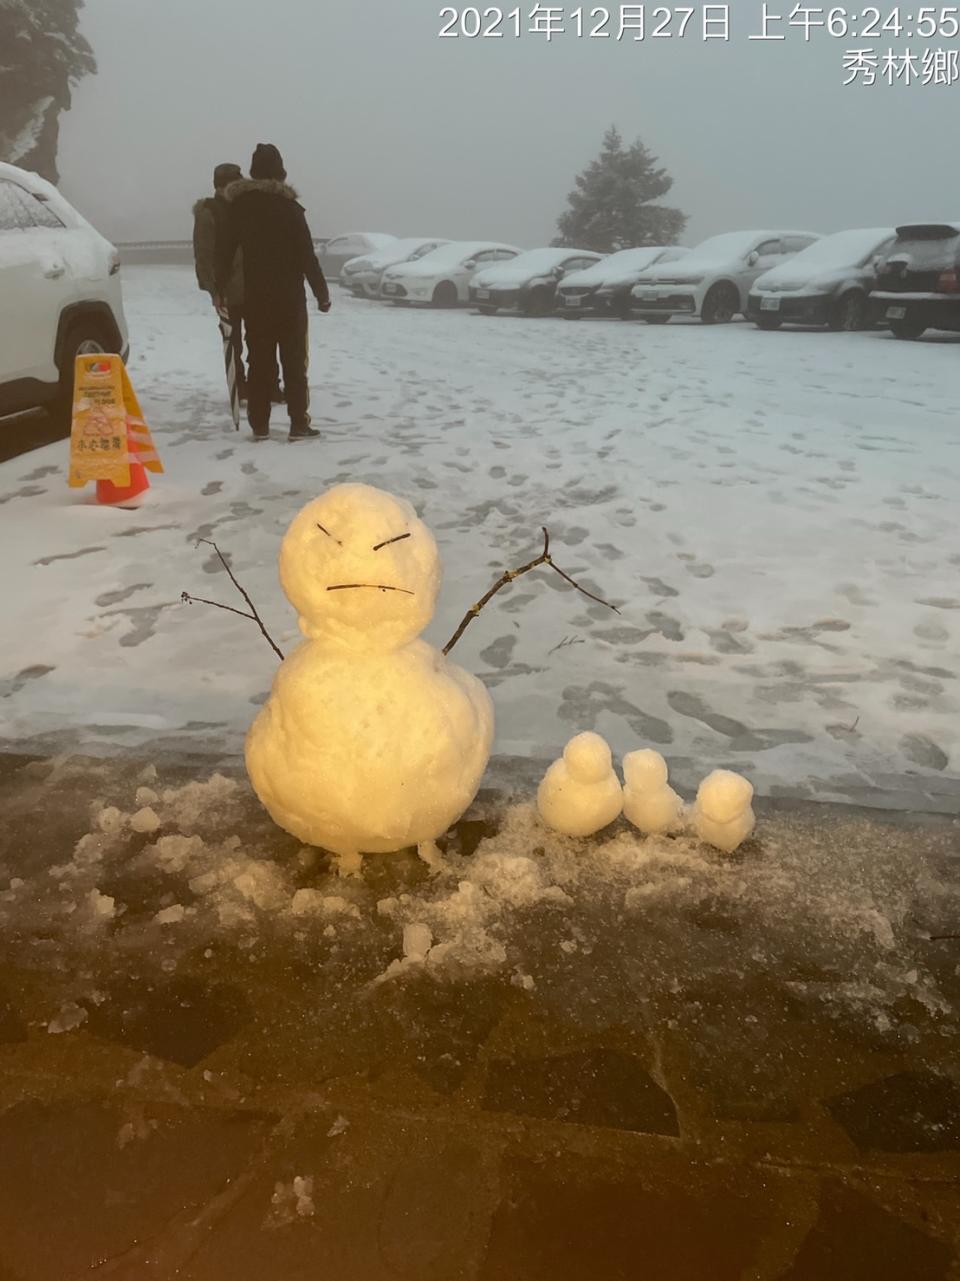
[
  {"x": 399, "y": 539},
  {"x": 328, "y": 534}
]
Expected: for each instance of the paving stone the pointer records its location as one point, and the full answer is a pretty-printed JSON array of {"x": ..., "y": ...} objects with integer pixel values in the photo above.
[
  {"x": 598, "y": 1087},
  {"x": 12, "y": 1027},
  {"x": 439, "y": 1032},
  {"x": 76, "y": 1188},
  {"x": 909, "y": 1112},
  {"x": 747, "y": 1051},
  {"x": 567, "y": 1223},
  {"x": 182, "y": 1020},
  {"x": 855, "y": 1240},
  {"x": 392, "y": 1199}
]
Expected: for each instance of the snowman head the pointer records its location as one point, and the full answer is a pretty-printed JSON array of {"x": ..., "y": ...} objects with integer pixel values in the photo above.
[
  {"x": 588, "y": 758},
  {"x": 724, "y": 795},
  {"x": 645, "y": 769},
  {"x": 360, "y": 568}
]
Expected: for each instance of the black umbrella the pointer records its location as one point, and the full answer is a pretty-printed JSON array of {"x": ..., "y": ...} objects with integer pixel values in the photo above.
[{"x": 230, "y": 361}]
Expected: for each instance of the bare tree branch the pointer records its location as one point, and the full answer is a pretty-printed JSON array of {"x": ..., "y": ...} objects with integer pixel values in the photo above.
[
  {"x": 253, "y": 615},
  {"x": 199, "y": 600},
  {"x": 508, "y": 577}
]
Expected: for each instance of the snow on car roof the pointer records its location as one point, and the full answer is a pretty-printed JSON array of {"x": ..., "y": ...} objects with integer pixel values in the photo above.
[
  {"x": 738, "y": 242},
  {"x": 379, "y": 239},
  {"x": 538, "y": 259},
  {"x": 927, "y": 230},
  {"x": 457, "y": 250},
  {"x": 842, "y": 249}
]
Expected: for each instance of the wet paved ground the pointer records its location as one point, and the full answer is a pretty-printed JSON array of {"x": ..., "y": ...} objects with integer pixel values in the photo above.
[{"x": 247, "y": 1105}]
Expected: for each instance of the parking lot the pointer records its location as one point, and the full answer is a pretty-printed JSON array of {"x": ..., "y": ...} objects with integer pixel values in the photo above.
[{"x": 774, "y": 514}]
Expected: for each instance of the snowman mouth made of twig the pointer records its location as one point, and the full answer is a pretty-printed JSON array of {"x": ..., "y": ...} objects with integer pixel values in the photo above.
[{"x": 374, "y": 587}]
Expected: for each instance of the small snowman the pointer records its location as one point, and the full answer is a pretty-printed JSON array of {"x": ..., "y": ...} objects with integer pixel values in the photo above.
[
  {"x": 580, "y": 793},
  {"x": 371, "y": 740},
  {"x": 722, "y": 814},
  {"x": 649, "y": 802}
]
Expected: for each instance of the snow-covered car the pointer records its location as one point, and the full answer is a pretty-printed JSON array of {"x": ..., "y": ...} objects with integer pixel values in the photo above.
[
  {"x": 351, "y": 244},
  {"x": 60, "y": 295},
  {"x": 828, "y": 284},
  {"x": 918, "y": 284},
  {"x": 714, "y": 280},
  {"x": 529, "y": 282},
  {"x": 362, "y": 275},
  {"x": 442, "y": 278},
  {"x": 605, "y": 287}
]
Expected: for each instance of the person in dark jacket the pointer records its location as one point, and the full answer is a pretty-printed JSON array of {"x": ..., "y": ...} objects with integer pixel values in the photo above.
[
  {"x": 209, "y": 217},
  {"x": 267, "y": 222}
]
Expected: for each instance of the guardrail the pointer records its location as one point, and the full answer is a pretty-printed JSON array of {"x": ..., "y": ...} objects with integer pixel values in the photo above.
[{"x": 176, "y": 252}]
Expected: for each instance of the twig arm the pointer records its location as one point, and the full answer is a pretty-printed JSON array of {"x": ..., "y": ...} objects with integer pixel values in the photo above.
[
  {"x": 508, "y": 576},
  {"x": 187, "y": 599},
  {"x": 253, "y": 615}
]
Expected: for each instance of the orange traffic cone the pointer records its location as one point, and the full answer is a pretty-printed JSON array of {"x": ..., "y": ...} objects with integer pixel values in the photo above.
[{"x": 117, "y": 495}]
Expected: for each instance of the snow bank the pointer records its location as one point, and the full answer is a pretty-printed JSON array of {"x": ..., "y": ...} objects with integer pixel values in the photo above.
[{"x": 834, "y": 918}]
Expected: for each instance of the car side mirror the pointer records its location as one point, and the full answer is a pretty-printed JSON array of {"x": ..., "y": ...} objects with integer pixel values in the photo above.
[
  {"x": 753, "y": 259},
  {"x": 469, "y": 266},
  {"x": 877, "y": 262}
]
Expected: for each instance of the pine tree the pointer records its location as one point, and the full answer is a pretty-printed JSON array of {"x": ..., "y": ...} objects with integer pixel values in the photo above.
[
  {"x": 42, "y": 56},
  {"x": 611, "y": 206}
]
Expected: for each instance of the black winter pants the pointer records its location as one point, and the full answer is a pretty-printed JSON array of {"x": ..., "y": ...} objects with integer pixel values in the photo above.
[{"x": 268, "y": 331}]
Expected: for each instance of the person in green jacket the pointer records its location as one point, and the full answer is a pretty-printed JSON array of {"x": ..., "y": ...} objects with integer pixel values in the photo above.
[{"x": 209, "y": 216}]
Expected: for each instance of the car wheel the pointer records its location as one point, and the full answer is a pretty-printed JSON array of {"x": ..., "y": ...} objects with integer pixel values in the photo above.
[
  {"x": 849, "y": 313},
  {"x": 721, "y": 304},
  {"x": 539, "y": 303},
  {"x": 657, "y": 320},
  {"x": 445, "y": 294},
  {"x": 769, "y": 322},
  {"x": 620, "y": 307},
  {"x": 83, "y": 339},
  {"x": 907, "y": 329}
]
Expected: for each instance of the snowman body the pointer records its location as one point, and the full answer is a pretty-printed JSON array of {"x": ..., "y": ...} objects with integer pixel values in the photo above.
[
  {"x": 723, "y": 814},
  {"x": 580, "y": 794},
  {"x": 371, "y": 740},
  {"x": 650, "y": 803}
]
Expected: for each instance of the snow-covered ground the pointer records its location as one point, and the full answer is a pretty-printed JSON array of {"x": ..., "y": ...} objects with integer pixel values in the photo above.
[{"x": 774, "y": 514}]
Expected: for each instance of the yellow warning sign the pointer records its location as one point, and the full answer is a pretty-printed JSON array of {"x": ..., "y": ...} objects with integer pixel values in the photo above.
[{"x": 108, "y": 431}]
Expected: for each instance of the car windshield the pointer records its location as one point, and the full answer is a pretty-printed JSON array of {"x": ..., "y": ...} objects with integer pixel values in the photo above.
[
  {"x": 405, "y": 246},
  {"x": 845, "y": 249},
  {"x": 733, "y": 244},
  {"x": 453, "y": 253},
  {"x": 535, "y": 260},
  {"x": 628, "y": 259}
]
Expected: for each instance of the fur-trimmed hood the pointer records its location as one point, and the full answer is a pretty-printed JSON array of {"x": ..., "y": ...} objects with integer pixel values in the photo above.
[{"x": 269, "y": 187}]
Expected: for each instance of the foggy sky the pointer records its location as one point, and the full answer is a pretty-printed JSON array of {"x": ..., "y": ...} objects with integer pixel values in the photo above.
[{"x": 386, "y": 127}]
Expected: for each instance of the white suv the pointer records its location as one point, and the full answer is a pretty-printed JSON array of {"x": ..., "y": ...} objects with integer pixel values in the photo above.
[
  {"x": 59, "y": 294},
  {"x": 714, "y": 280}
]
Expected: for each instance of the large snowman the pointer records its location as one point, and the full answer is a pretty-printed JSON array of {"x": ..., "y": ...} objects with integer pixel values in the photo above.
[{"x": 371, "y": 740}]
